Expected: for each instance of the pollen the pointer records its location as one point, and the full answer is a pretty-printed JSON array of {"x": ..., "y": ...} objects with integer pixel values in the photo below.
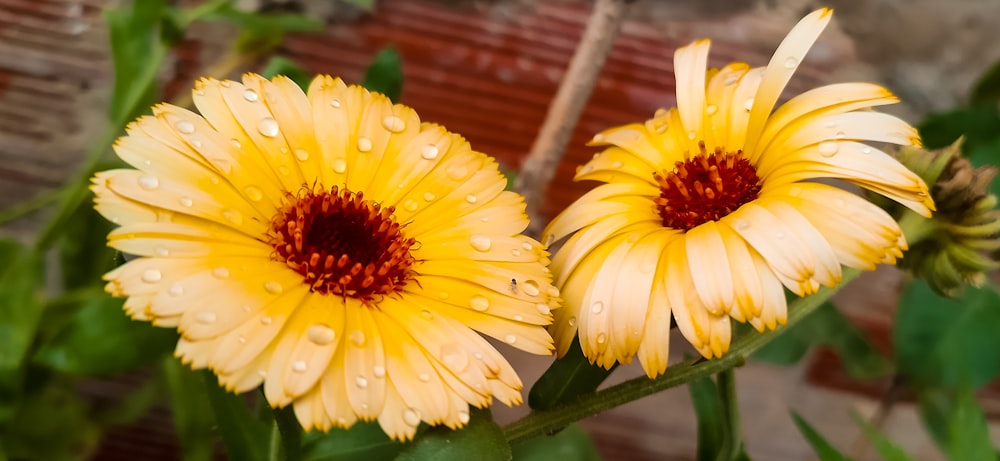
[{"x": 705, "y": 188}]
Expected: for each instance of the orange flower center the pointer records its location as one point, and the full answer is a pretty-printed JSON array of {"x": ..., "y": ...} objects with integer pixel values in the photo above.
[
  {"x": 705, "y": 188},
  {"x": 342, "y": 244}
]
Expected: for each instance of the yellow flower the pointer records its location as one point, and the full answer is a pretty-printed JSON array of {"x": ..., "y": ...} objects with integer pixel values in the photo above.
[
  {"x": 330, "y": 246},
  {"x": 710, "y": 208}
]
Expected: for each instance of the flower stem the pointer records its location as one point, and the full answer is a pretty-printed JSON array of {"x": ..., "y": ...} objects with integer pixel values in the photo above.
[
  {"x": 290, "y": 434},
  {"x": 574, "y": 91},
  {"x": 733, "y": 442},
  {"x": 916, "y": 228},
  {"x": 551, "y": 421}
]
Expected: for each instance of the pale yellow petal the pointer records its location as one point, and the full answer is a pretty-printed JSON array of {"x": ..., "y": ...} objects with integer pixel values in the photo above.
[
  {"x": 709, "y": 267},
  {"x": 689, "y": 76}
]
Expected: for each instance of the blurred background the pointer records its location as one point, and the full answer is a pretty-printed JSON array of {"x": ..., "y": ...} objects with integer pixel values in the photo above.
[{"x": 488, "y": 70}]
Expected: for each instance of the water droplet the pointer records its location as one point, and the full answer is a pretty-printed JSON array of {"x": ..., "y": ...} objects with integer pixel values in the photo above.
[
  {"x": 283, "y": 170},
  {"x": 253, "y": 193},
  {"x": 828, "y": 148},
  {"x": 410, "y": 205},
  {"x": 795, "y": 191},
  {"x": 731, "y": 79},
  {"x": 411, "y": 417},
  {"x": 223, "y": 165},
  {"x": 840, "y": 135},
  {"x": 463, "y": 416},
  {"x": 478, "y": 355},
  {"x": 232, "y": 216},
  {"x": 357, "y": 337},
  {"x": 184, "y": 126},
  {"x": 299, "y": 366},
  {"x": 236, "y": 143},
  {"x": 791, "y": 62},
  {"x": 597, "y": 307},
  {"x": 779, "y": 235},
  {"x": 866, "y": 150},
  {"x": 429, "y": 152},
  {"x": 378, "y": 371},
  {"x": 510, "y": 339},
  {"x": 246, "y": 308},
  {"x": 262, "y": 373},
  {"x": 748, "y": 104},
  {"x": 518, "y": 318},
  {"x": 742, "y": 224},
  {"x": 364, "y": 144},
  {"x": 527, "y": 246},
  {"x": 543, "y": 308},
  {"x": 196, "y": 143},
  {"x": 148, "y": 182},
  {"x": 393, "y": 123},
  {"x": 618, "y": 164},
  {"x": 151, "y": 275},
  {"x": 250, "y": 95},
  {"x": 320, "y": 334},
  {"x": 602, "y": 338},
  {"x": 205, "y": 317},
  {"x": 268, "y": 126},
  {"x": 515, "y": 252},
  {"x": 302, "y": 154},
  {"x": 481, "y": 243},
  {"x": 161, "y": 252},
  {"x": 339, "y": 165},
  {"x": 530, "y": 288},
  {"x": 424, "y": 377},
  {"x": 220, "y": 273},
  {"x": 361, "y": 382},
  {"x": 693, "y": 134},
  {"x": 711, "y": 109},
  {"x": 428, "y": 196},
  {"x": 479, "y": 303},
  {"x": 186, "y": 201},
  {"x": 455, "y": 357},
  {"x": 242, "y": 339},
  {"x": 471, "y": 198},
  {"x": 458, "y": 172},
  {"x": 176, "y": 290},
  {"x": 426, "y": 314},
  {"x": 335, "y": 103},
  {"x": 273, "y": 287}
]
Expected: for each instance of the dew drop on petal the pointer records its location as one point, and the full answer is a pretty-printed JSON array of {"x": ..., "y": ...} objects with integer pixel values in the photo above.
[
  {"x": 479, "y": 303},
  {"x": 206, "y": 318},
  {"x": 364, "y": 144},
  {"x": 527, "y": 246},
  {"x": 253, "y": 193},
  {"x": 429, "y": 152},
  {"x": 828, "y": 148},
  {"x": 410, "y": 205},
  {"x": 339, "y": 165},
  {"x": 455, "y": 357},
  {"x": 692, "y": 134},
  {"x": 510, "y": 339},
  {"x": 175, "y": 290},
  {"x": 335, "y": 103},
  {"x": 236, "y": 143},
  {"x": 148, "y": 182},
  {"x": 463, "y": 416},
  {"x": 186, "y": 202},
  {"x": 795, "y": 191},
  {"x": 393, "y": 123},
  {"x": 426, "y": 314},
  {"x": 299, "y": 366},
  {"x": 571, "y": 321},
  {"x": 711, "y": 109},
  {"x": 543, "y": 308},
  {"x": 481, "y": 243},
  {"x": 597, "y": 307},
  {"x": 265, "y": 320},
  {"x": 530, "y": 288},
  {"x": 221, "y": 164},
  {"x": 283, "y": 170},
  {"x": 428, "y": 196},
  {"x": 250, "y": 95},
  {"x": 791, "y": 62},
  {"x": 232, "y": 216},
  {"x": 162, "y": 252},
  {"x": 748, "y": 104},
  {"x": 411, "y": 417},
  {"x": 151, "y": 275},
  {"x": 424, "y": 377},
  {"x": 731, "y": 79},
  {"x": 618, "y": 164},
  {"x": 378, "y": 371},
  {"x": 184, "y": 126},
  {"x": 840, "y": 135},
  {"x": 602, "y": 338},
  {"x": 458, "y": 172},
  {"x": 866, "y": 150},
  {"x": 357, "y": 338},
  {"x": 361, "y": 382},
  {"x": 518, "y": 318},
  {"x": 742, "y": 224},
  {"x": 515, "y": 252},
  {"x": 302, "y": 154},
  {"x": 273, "y": 287},
  {"x": 220, "y": 273},
  {"x": 262, "y": 373},
  {"x": 779, "y": 235},
  {"x": 471, "y": 198},
  {"x": 242, "y": 339},
  {"x": 268, "y": 126},
  {"x": 320, "y": 334}
]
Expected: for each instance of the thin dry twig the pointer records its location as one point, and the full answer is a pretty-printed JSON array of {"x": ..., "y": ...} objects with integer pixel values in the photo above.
[{"x": 540, "y": 166}]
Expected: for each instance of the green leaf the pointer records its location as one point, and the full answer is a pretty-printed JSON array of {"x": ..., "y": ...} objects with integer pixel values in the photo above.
[
  {"x": 385, "y": 74},
  {"x": 481, "y": 440},
  {"x": 20, "y": 304},
  {"x": 957, "y": 423},
  {"x": 194, "y": 422},
  {"x": 244, "y": 436},
  {"x": 570, "y": 444},
  {"x": 279, "y": 65},
  {"x": 367, "y": 5},
  {"x": 133, "y": 406},
  {"x": 711, "y": 417},
  {"x": 823, "y": 449},
  {"x": 947, "y": 342},
  {"x": 134, "y": 35},
  {"x": 568, "y": 377},
  {"x": 827, "y": 326},
  {"x": 101, "y": 340},
  {"x": 362, "y": 441},
  {"x": 987, "y": 88},
  {"x": 888, "y": 450},
  {"x": 83, "y": 249},
  {"x": 260, "y": 33},
  {"x": 51, "y": 424}
]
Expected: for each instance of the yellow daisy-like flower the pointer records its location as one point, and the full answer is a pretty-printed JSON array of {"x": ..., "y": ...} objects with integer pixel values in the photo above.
[
  {"x": 710, "y": 207},
  {"x": 330, "y": 246}
]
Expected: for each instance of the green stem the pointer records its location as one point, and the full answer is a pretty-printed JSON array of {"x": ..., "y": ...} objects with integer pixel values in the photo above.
[
  {"x": 549, "y": 421},
  {"x": 29, "y": 206},
  {"x": 916, "y": 228},
  {"x": 274, "y": 446},
  {"x": 732, "y": 442},
  {"x": 290, "y": 433}
]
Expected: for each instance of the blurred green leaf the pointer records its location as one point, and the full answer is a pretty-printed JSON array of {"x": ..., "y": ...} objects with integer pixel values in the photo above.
[
  {"x": 956, "y": 421},
  {"x": 134, "y": 32},
  {"x": 709, "y": 409},
  {"x": 101, "y": 340},
  {"x": 20, "y": 311},
  {"x": 888, "y": 450},
  {"x": 133, "y": 406},
  {"x": 481, "y": 440},
  {"x": 83, "y": 251},
  {"x": 828, "y": 327},
  {"x": 568, "y": 377},
  {"x": 367, "y": 5},
  {"x": 279, "y": 65},
  {"x": 192, "y": 413},
  {"x": 245, "y": 437},
  {"x": 385, "y": 74},
  {"x": 987, "y": 88},
  {"x": 362, "y": 441},
  {"x": 261, "y": 32},
  {"x": 570, "y": 444},
  {"x": 51, "y": 424},
  {"x": 947, "y": 342},
  {"x": 823, "y": 449}
]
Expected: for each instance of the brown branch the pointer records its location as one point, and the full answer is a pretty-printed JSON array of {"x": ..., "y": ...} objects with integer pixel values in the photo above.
[{"x": 540, "y": 166}]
